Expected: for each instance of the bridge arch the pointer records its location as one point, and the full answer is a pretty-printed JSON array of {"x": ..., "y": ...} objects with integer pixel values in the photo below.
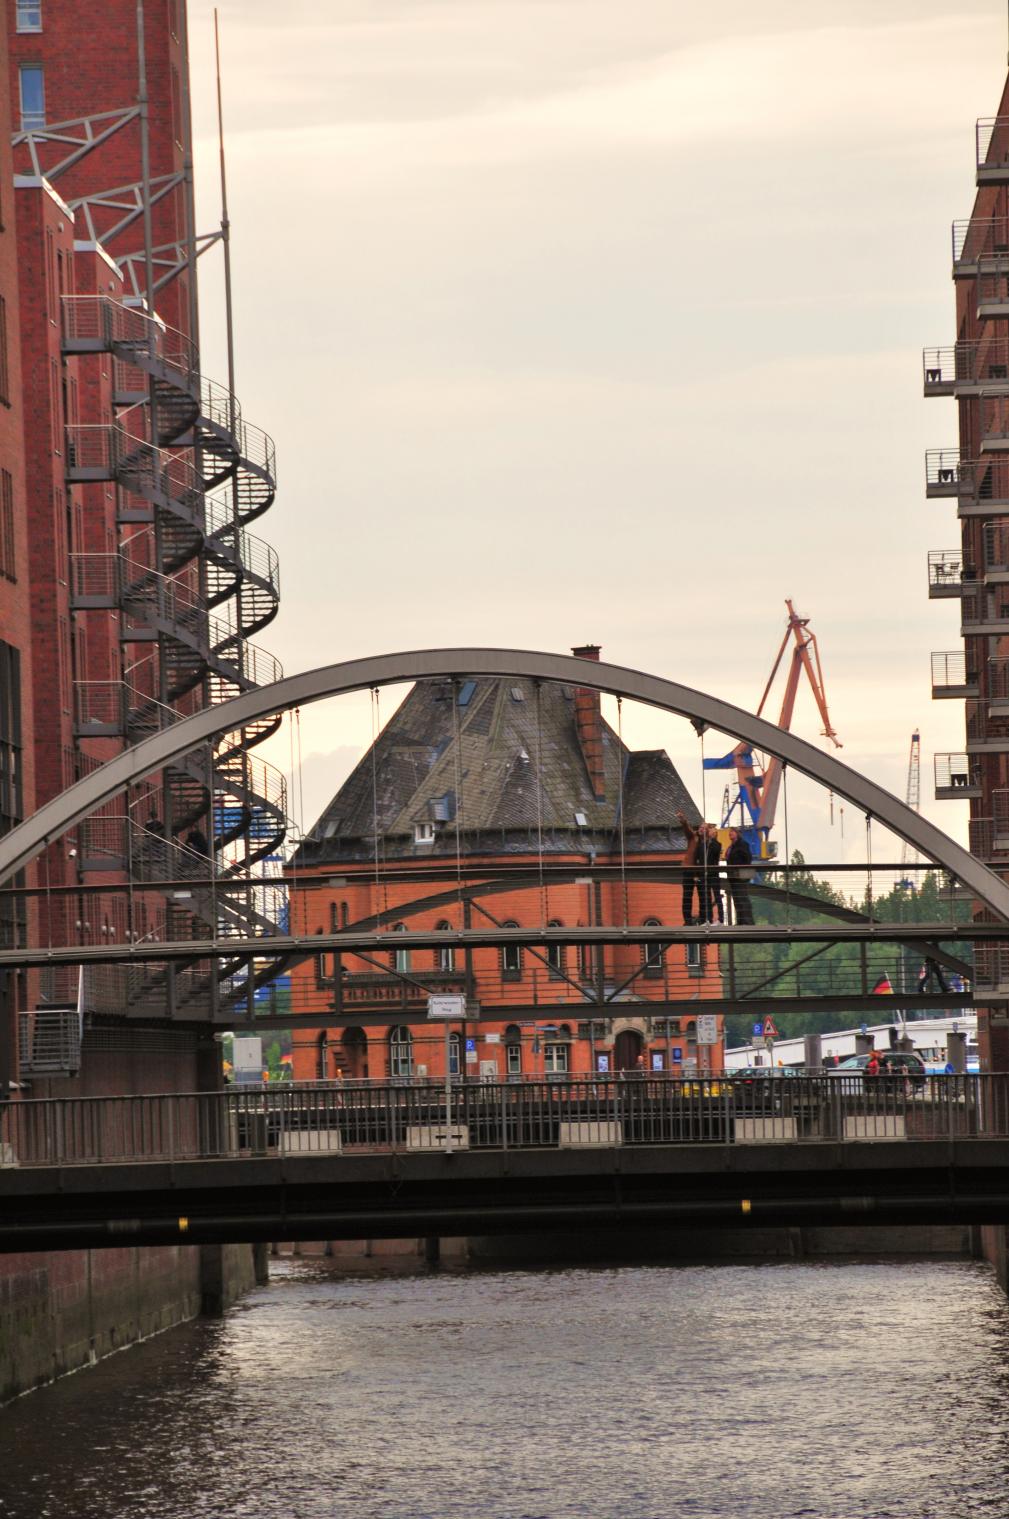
[{"x": 29, "y": 838}]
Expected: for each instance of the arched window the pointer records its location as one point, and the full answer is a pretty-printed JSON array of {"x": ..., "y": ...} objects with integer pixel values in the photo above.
[
  {"x": 555, "y": 952},
  {"x": 444, "y": 955},
  {"x": 513, "y": 1050},
  {"x": 400, "y": 1052},
  {"x": 511, "y": 956},
  {"x": 323, "y": 968},
  {"x": 653, "y": 955},
  {"x": 400, "y": 957},
  {"x": 454, "y": 1054}
]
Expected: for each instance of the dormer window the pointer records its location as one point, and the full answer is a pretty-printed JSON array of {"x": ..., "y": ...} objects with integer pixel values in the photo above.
[
  {"x": 423, "y": 833},
  {"x": 581, "y": 820}
]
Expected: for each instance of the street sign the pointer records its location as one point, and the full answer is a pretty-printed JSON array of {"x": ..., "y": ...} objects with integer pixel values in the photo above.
[
  {"x": 758, "y": 1030},
  {"x": 707, "y": 1028},
  {"x": 446, "y": 1006},
  {"x": 770, "y": 1032},
  {"x": 677, "y": 1053}
]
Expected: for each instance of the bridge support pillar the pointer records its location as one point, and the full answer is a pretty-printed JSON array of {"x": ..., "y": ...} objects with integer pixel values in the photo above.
[
  {"x": 956, "y": 1051},
  {"x": 813, "y": 1052},
  {"x": 864, "y": 1044}
]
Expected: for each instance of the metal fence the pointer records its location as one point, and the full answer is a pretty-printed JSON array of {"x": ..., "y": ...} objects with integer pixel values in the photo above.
[{"x": 567, "y": 1113}]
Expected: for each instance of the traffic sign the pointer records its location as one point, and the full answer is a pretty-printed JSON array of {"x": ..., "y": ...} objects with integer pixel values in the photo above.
[
  {"x": 769, "y": 1030},
  {"x": 758, "y": 1030}
]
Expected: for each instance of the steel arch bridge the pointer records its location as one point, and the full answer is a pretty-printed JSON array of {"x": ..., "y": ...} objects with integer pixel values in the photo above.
[{"x": 23, "y": 843}]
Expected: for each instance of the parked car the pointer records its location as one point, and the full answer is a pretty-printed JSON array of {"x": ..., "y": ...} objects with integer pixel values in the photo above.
[{"x": 906, "y": 1065}]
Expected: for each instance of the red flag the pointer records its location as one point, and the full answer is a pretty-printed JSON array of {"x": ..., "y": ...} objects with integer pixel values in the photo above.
[{"x": 883, "y": 986}]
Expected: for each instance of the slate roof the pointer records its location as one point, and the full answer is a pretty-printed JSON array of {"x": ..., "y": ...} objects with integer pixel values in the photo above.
[{"x": 475, "y": 750}]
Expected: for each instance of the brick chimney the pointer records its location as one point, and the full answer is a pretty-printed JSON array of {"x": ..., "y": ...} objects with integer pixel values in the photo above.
[{"x": 589, "y": 722}]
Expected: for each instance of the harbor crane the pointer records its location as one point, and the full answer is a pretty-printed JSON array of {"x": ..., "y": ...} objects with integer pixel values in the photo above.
[
  {"x": 909, "y": 871},
  {"x": 758, "y": 781}
]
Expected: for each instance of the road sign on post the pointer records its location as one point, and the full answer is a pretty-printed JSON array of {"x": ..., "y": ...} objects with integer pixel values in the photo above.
[
  {"x": 707, "y": 1028},
  {"x": 770, "y": 1031}
]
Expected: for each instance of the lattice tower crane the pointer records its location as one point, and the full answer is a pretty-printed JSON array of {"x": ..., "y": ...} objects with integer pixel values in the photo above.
[
  {"x": 757, "y": 796},
  {"x": 909, "y": 878}
]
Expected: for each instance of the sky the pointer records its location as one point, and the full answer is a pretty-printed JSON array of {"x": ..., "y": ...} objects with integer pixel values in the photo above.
[{"x": 577, "y": 321}]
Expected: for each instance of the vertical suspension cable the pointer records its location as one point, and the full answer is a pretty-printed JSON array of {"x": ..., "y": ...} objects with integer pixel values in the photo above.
[
  {"x": 620, "y": 803},
  {"x": 702, "y": 844},
  {"x": 788, "y": 848},
  {"x": 868, "y": 864},
  {"x": 457, "y": 734},
  {"x": 539, "y": 804},
  {"x": 374, "y": 790},
  {"x": 301, "y": 786}
]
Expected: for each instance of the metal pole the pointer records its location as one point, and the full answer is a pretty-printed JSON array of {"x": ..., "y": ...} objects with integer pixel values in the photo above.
[{"x": 448, "y": 1088}]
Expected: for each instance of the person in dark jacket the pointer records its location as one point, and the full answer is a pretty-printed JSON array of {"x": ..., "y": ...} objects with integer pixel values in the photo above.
[
  {"x": 711, "y": 886},
  {"x": 691, "y": 870},
  {"x": 739, "y": 859}
]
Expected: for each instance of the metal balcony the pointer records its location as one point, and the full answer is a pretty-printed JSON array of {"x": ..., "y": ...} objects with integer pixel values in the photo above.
[
  {"x": 995, "y": 553},
  {"x": 978, "y": 243},
  {"x": 991, "y": 139},
  {"x": 946, "y": 573},
  {"x": 950, "y": 675},
  {"x": 991, "y": 968},
  {"x": 987, "y": 735},
  {"x": 967, "y": 369},
  {"x": 983, "y": 842},
  {"x": 993, "y": 290},
  {"x": 994, "y": 419},
  {"x": 980, "y": 486},
  {"x": 984, "y": 611},
  {"x": 998, "y": 688},
  {"x": 957, "y": 777}
]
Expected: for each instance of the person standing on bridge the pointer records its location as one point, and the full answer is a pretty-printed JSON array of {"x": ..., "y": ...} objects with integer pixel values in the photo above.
[
  {"x": 712, "y": 910},
  {"x": 691, "y": 872},
  {"x": 739, "y": 860}
]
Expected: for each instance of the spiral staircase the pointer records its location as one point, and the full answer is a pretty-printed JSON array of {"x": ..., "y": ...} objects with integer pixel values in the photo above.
[{"x": 191, "y": 587}]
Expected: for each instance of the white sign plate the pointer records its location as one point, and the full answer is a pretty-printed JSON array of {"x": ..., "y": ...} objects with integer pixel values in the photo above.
[
  {"x": 446, "y": 1007},
  {"x": 707, "y": 1028}
]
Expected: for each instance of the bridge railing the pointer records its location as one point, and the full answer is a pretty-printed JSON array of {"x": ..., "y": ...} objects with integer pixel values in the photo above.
[{"x": 568, "y": 1112}]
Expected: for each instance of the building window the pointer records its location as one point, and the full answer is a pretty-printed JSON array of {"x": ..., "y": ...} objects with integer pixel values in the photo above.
[
  {"x": 423, "y": 833},
  {"x": 653, "y": 955},
  {"x": 454, "y": 1054},
  {"x": 513, "y": 1050},
  {"x": 29, "y": 15},
  {"x": 694, "y": 962},
  {"x": 400, "y": 957},
  {"x": 8, "y": 567},
  {"x": 33, "y": 96},
  {"x": 400, "y": 1052},
  {"x": 444, "y": 955},
  {"x": 511, "y": 956},
  {"x": 555, "y": 952},
  {"x": 587, "y": 961},
  {"x": 323, "y": 971},
  {"x": 555, "y": 1059}
]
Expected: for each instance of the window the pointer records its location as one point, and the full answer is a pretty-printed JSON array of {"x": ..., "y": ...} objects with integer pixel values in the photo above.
[
  {"x": 454, "y": 1054},
  {"x": 8, "y": 568},
  {"x": 555, "y": 952},
  {"x": 466, "y": 693},
  {"x": 653, "y": 955},
  {"x": 444, "y": 955},
  {"x": 511, "y": 956},
  {"x": 400, "y": 1052},
  {"x": 423, "y": 833},
  {"x": 29, "y": 15},
  {"x": 694, "y": 964},
  {"x": 555, "y": 1059},
  {"x": 587, "y": 961},
  {"x": 33, "y": 96},
  {"x": 400, "y": 957},
  {"x": 513, "y": 1051},
  {"x": 323, "y": 972}
]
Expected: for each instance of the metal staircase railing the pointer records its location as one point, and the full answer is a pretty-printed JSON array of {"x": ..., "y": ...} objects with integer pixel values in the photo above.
[{"x": 190, "y": 580}]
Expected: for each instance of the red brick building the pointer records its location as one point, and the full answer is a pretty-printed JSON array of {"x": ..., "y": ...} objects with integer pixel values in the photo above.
[
  {"x": 130, "y": 589},
  {"x": 444, "y": 824}
]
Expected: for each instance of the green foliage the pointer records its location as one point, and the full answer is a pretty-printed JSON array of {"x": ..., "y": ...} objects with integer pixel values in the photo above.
[{"x": 766, "y": 972}]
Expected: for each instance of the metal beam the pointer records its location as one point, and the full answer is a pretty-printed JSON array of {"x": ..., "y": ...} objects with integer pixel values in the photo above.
[{"x": 23, "y": 843}]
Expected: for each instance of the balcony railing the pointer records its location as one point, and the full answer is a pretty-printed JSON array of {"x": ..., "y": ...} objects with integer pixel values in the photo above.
[
  {"x": 966, "y": 368},
  {"x": 946, "y": 573},
  {"x": 950, "y": 675},
  {"x": 986, "y": 733},
  {"x": 991, "y": 138},
  {"x": 956, "y": 776},
  {"x": 996, "y": 548},
  {"x": 993, "y": 290},
  {"x": 978, "y": 241}
]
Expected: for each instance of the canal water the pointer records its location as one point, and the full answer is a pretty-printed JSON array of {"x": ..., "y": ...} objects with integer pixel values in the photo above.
[{"x": 833, "y": 1391}]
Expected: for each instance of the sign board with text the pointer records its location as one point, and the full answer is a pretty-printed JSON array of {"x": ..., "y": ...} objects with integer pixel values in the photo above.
[
  {"x": 446, "y": 1006},
  {"x": 707, "y": 1028}
]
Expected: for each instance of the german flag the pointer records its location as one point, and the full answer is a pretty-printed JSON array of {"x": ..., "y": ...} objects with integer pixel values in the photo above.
[{"x": 883, "y": 987}]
